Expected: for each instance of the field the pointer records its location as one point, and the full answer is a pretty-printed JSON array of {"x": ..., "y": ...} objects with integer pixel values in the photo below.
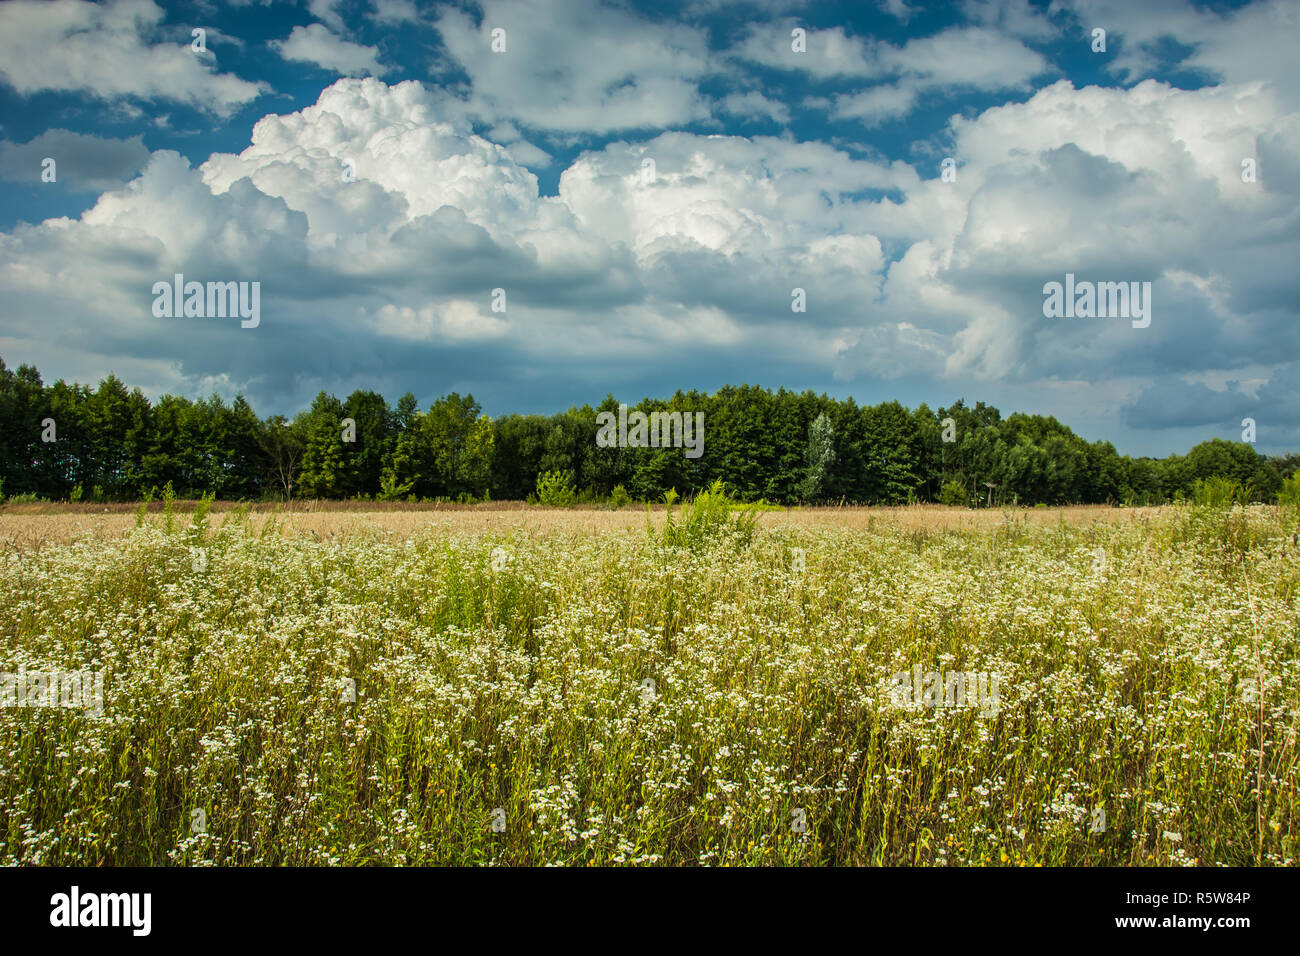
[{"x": 522, "y": 686}]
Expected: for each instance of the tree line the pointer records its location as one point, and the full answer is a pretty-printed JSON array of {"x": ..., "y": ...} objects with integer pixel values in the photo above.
[{"x": 71, "y": 442}]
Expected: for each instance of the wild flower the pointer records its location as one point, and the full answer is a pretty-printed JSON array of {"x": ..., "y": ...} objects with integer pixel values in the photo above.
[{"x": 520, "y": 687}]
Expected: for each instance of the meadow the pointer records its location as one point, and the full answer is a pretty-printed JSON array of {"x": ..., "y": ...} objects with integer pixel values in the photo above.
[{"x": 698, "y": 685}]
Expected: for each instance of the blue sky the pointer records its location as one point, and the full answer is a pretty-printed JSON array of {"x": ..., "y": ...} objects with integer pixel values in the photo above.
[{"x": 380, "y": 169}]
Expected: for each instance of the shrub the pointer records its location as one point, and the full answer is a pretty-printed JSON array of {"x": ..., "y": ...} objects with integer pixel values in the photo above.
[
  {"x": 555, "y": 489},
  {"x": 1289, "y": 494},
  {"x": 762, "y": 504},
  {"x": 952, "y": 493},
  {"x": 390, "y": 489},
  {"x": 707, "y": 519},
  {"x": 619, "y": 497},
  {"x": 1219, "y": 492}
]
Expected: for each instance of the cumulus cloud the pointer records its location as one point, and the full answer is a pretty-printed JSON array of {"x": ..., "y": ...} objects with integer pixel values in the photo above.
[
  {"x": 368, "y": 218},
  {"x": 877, "y": 105},
  {"x": 1110, "y": 185},
  {"x": 394, "y": 11},
  {"x": 455, "y": 320},
  {"x": 962, "y": 57},
  {"x": 826, "y": 53},
  {"x": 314, "y": 43},
  {"x": 521, "y": 150},
  {"x": 1256, "y": 42},
  {"x": 327, "y": 11},
  {"x": 1178, "y": 404},
  {"x": 83, "y": 163},
  {"x": 109, "y": 51},
  {"x": 956, "y": 60},
  {"x": 1172, "y": 402},
  {"x": 969, "y": 56},
  {"x": 753, "y": 105},
  {"x": 380, "y": 222},
  {"x": 898, "y": 9},
  {"x": 1018, "y": 18},
  {"x": 583, "y": 67}
]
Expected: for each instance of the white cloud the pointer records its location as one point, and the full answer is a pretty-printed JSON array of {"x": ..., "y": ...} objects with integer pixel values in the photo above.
[
  {"x": 521, "y": 151},
  {"x": 327, "y": 11},
  {"x": 1013, "y": 17},
  {"x": 905, "y": 276},
  {"x": 456, "y": 320},
  {"x": 955, "y": 60},
  {"x": 435, "y": 219},
  {"x": 754, "y": 105},
  {"x": 581, "y": 67},
  {"x": 877, "y": 105},
  {"x": 825, "y": 54},
  {"x": 314, "y": 43},
  {"x": 107, "y": 51},
  {"x": 394, "y": 11},
  {"x": 1121, "y": 185},
  {"x": 1253, "y": 43},
  {"x": 898, "y": 9},
  {"x": 971, "y": 57}
]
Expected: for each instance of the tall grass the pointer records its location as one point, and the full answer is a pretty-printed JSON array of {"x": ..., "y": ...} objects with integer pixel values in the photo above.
[
  {"x": 712, "y": 518},
  {"x": 670, "y": 698}
]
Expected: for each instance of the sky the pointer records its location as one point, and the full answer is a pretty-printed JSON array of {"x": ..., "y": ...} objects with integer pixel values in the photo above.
[{"x": 541, "y": 203}]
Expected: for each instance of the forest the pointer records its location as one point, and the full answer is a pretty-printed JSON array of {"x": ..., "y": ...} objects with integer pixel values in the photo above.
[{"x": 71, "y": 442}]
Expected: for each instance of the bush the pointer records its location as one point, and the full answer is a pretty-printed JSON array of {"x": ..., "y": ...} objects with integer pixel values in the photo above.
[
  {"x": 1289, "y": 494},
  {"x": 709, "y": 517},
  {"x": 390, "y": 489},
  {"x": 26, "y": 498},
  {"x": 953, "y": 493},
  {"x": 555, "y": 489},
  {"x": 619, "y": 497},
  {"x": 762, "y": 504},
  {"x": 1219, "y": 492},
  {"x": 589, "y": 496}
]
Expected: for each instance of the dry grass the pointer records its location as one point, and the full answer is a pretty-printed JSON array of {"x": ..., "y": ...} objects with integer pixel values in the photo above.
[{"x": 34, "y": 525}]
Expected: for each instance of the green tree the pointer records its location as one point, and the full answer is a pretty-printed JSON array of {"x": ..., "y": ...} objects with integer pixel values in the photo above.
[
  {"x": 282, "y": 444},
  {"x": 459, "y": 442},
  {"x": 818, "y": 457},
  {"x": 323, "y": 472},
  {"x": 374, "y": 436}
]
